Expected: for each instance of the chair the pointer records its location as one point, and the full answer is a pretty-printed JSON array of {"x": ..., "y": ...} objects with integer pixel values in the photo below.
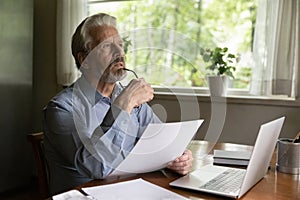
[{"x": 36, "y": 140}]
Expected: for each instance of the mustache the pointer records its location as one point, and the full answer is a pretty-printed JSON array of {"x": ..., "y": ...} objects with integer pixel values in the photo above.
[{"x": 118, "y": 59}]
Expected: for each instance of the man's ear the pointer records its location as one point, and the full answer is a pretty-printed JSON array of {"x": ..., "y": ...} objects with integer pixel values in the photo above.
[{"x": 81, "y": 59}]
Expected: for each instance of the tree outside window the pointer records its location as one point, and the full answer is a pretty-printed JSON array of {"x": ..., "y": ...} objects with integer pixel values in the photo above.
[{"x": 175, "y": 30}]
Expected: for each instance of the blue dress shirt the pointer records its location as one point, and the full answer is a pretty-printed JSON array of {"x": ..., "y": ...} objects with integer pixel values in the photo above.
[{"x": 86, "y": 136}]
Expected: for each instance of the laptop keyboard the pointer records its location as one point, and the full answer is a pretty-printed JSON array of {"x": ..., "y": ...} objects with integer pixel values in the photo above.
[{"x": 229, "y": 181}]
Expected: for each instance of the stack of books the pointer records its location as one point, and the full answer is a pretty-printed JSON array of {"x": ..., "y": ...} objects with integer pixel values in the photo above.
[{"x": 238, "y": 158}]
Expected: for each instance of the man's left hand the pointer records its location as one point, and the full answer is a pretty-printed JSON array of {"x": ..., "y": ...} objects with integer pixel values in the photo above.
[{"x": 182, "y": 164}]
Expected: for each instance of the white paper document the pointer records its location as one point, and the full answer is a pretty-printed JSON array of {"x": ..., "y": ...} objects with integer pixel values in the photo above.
[
  {"x": 132, "y": 190},
  {"x": 71, "y": 195},
  {"x": 159, "y": 144}
]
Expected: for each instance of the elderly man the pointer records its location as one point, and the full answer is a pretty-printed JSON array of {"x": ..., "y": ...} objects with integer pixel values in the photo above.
[{"x": 91, "y": 126}]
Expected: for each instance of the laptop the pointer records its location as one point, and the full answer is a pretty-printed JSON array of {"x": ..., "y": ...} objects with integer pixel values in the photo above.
[{"x": 235, "y": 182}]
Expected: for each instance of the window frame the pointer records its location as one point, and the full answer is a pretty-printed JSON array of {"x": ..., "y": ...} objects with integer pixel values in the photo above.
[{"x": 240, "y": 96}]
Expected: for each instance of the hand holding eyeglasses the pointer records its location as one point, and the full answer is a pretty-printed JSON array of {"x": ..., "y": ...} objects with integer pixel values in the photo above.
[{"x": 137, "y": 92}]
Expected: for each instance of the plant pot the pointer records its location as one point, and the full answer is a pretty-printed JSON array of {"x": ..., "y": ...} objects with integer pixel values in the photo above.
[{"x": 218, "y": 85}]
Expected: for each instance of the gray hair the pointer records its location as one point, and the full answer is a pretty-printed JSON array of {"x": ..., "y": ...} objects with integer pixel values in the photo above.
[{"x": 81, "y": 38}]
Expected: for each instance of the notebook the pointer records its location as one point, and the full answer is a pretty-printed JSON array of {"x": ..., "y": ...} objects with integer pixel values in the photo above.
[
  {"x": 234, "y": 182},
  {"x": 237, "y": 158}
]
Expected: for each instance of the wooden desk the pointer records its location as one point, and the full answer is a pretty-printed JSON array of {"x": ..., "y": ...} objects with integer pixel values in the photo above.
[{"x": 275, "y": 185}]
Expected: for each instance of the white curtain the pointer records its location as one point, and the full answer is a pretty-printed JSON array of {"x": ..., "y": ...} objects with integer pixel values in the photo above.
[
  {"x": 69, "y": 14},
  {"x": 276, "y": 48}
]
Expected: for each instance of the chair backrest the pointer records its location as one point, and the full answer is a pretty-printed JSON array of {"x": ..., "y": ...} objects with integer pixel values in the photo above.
[{"x": 36, "y": 140}]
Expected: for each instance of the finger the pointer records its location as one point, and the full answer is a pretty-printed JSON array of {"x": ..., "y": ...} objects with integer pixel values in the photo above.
[
  {"x": 138, "y": 84},
  {"x": 188, "y": 152},
  {"x": 184, "y": 157},
  {"x": 180, "y": 164},
  {"x": 181, "y": 169}
]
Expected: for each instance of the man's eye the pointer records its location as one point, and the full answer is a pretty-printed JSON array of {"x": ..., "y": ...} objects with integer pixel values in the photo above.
[{"x": 106, "y": 46}]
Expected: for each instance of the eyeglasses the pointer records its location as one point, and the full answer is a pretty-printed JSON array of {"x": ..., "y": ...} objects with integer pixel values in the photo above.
[{"x": 130, "y": 70}]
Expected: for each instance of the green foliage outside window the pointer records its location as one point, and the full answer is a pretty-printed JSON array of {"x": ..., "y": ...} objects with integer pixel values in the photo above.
[{"x": 207, "y": 23}]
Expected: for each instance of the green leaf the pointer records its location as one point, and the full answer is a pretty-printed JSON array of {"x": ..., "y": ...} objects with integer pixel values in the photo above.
[
  {"x": 126, "y": 43},
  {"x": 206, "y": 57},
  {"x": 220, "y": 60},
  {"x": 231, "y": 56}
]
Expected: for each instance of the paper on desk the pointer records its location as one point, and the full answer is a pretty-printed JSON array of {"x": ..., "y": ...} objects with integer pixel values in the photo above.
[
  {"x": 132, "y": 190},
  {"x": 159, "y": 144},
  {"x": 72, "y": 194}
]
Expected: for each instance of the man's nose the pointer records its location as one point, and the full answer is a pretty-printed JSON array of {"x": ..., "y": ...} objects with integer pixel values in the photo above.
[{"x": 118, "y": 50}]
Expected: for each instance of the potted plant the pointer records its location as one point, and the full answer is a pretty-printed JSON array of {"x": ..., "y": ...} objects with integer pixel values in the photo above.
[{"x": 221, "y": 66}]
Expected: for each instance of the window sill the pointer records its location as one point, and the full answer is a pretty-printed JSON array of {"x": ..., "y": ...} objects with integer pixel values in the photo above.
[{"x": 231, "y": 98}]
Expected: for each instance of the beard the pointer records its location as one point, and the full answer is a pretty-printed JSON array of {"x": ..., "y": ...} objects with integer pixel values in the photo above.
[{"x": 112, "y": 77}]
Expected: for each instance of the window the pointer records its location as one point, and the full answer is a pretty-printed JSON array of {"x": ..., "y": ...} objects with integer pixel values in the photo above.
[
  {"x": 166, "y": 37},
  {"x": 177, "y": 28}
]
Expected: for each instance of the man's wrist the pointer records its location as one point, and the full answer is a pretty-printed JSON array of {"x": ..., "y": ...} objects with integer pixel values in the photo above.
[{"x": 124, "y": 105}]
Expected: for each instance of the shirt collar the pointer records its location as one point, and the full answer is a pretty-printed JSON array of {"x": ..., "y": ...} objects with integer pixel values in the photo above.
[
  {"x": 92, "y": 94},
  {"x": 117, "y": 90}
]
